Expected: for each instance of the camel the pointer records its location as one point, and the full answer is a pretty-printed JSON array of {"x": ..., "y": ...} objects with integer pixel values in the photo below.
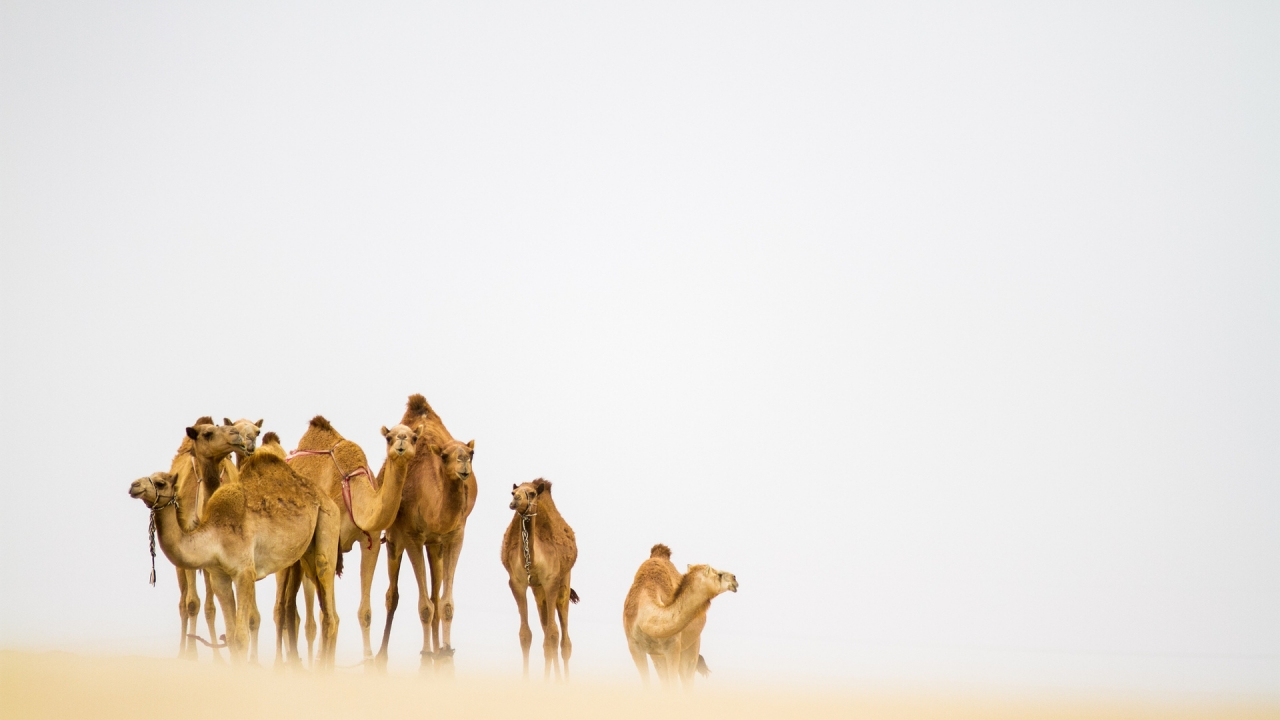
[
  {"x": 439, "y": 493},
  {"x": 201, "y": 465},
  {"x": 664, "y": 614},
  {"x": 336, "y": 465},
  {"x": 264, "y": 523},
  {"x": 538, "y": 551},
  {"x": 244, "y": 436}
]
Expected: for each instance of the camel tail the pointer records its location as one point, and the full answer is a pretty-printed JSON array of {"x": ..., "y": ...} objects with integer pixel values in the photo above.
[
  {"x": 337, "y": 570},
  {"x": 660, "y": 550},
  {"x": 573, "y": 596},
  {"x": 703, "y": 670},
  {"x": 222, "y": 641}
]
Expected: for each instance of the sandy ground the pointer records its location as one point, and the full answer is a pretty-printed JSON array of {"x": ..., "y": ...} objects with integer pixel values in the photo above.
[{"x": 64, "y": 685}]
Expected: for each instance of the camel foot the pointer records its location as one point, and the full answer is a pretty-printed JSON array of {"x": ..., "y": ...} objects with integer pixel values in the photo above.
[{"x": 444, "y": 662}]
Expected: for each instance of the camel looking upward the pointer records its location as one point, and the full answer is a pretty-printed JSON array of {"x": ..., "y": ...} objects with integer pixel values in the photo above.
[
  {"x": 439, "y": 493},
  {"x": 538, "y": 551},
  {"x": 664, "y": 614},
  {"x": 338, "y": 466},
  {"x": 264, "y": 523},
  {"x": 201, "y": 464}
]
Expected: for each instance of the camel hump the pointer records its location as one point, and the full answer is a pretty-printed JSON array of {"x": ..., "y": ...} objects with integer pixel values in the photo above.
[
  {"x": 660, "y": 550},
  {"x": 418, "y": 405},
  {"x": 204, "y": 420},
  {"x": 271, "y": 437},
  {"x": 320, "y": 423}
]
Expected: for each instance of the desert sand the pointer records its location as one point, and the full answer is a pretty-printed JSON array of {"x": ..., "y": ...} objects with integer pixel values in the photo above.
[{"x": 66, "y": 685}]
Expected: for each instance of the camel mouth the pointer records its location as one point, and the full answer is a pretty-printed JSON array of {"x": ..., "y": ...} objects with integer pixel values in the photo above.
[{"x": 135, "y": 490}]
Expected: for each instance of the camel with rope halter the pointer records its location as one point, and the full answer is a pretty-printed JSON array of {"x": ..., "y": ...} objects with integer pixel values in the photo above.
[{"x": 539, "y": 551}]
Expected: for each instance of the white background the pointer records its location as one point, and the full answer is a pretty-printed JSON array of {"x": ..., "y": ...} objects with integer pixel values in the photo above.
[{"x": 954, "y": 333}]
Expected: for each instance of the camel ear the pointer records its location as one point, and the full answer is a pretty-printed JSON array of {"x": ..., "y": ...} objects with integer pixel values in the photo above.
[
  {"x": 514, "y": 486},
  {"x": 192, "y": 433},
  {"x": 471, "y": 445},
  {"x": 435, "y": 449},
  {"x": 258, "y": 424},
  {"x": 227, "y": 421},
  {"x": 688, "y": 568},
  {"x": 385, "y": 431}
]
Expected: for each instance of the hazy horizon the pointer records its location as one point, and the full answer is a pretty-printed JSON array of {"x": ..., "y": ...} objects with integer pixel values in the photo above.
[{"x": 953, "y": 332}]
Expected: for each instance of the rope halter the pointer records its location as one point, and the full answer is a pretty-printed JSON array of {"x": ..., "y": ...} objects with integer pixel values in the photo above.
[{"x": 151, "y": 525}]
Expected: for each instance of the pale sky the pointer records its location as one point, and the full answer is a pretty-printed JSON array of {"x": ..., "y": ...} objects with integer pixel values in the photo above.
[{"x": 953, "y": 332}]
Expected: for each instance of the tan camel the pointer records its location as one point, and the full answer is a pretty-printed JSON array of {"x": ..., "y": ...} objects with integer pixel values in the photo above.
[
  {"x": 201, "y": 465},
  {"x": 339, "y": 466},
  {"x": 664, "y": 614},
  {"x": 538, "y": 551},
  {"x": 244, "y": 437},
  {"x": 439, "y": 493},
  {"x": 266, "y": 522}
]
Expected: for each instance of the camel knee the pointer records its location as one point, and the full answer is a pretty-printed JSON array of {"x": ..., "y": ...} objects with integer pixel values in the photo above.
[
  {"x": 426, "y": 612},
  {"x": 448, "y": 610},
  {"x": 526, "y": 637},
  {"x": 393, "y": 599},
  {"x": 566, "y": 647},
  {"x": 551, "y": 639},
  {"x": 366, "y": 617}
]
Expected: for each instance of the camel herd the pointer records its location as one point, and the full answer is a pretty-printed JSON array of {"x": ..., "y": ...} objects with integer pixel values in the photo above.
[{"x": 239, "y": 511}]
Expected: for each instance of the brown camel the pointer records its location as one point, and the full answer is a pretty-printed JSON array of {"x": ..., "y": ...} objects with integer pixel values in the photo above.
[
  {"x": 266, "y": 522},
  {"x": 201, "y": 465},
  {"x": 664, "y": 614},
  {"x": 338, "y": 466},
  {"x": 538, "y": 551},
  {"x": 439, "y": 493}
]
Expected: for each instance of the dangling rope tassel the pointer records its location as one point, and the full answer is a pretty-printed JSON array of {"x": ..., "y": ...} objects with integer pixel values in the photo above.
[{"x": 151, "y": 535}]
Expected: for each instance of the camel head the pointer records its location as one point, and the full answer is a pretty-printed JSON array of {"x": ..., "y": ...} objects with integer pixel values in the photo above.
[
  {"x": 401, "y": 441},
  {"x": 247, "y": 432},
  {"x": 524, "y": 498},
  {"x": 455, "y": 459},
  {"x": 154, "y": 488},
  {"x": 711, "y": 579},
  {"x": 215, "y": 441}
]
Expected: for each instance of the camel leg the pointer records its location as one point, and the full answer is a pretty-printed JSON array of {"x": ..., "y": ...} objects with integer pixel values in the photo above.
[
  {"x": 255, "y": 621},
  {"x": 183, "y": 640},
  {"x": 368, "y": 564},
  {"x": 526, "y": 635},
  {"x": 246, "y": 603},
  {"x": 670, "y": 665},
  {"x": 689, "y": 662},
  {"x": 546, "y": 615},
  {"x": 325, "y": 549},
  {"x": 393, "y": 597},
  {"x": 426, "y": 609},
  {"x": 328, "y": 615},
  {"x": 309, "y": 599},
  {"x": 551, "y": 640},
  {"x": 285, "y": 614},
  {"x": 437, "y": 578},
  {"x": 641, "y": 659},
  {"x": 450, "y": 554},
  {"x": 562, "y": 609},
  {"x": 211, "y": 614},
  {"x": 278, "y": 616},
  {"x": 220, "y": 582},
  {"x": 192, "y": 612}
]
